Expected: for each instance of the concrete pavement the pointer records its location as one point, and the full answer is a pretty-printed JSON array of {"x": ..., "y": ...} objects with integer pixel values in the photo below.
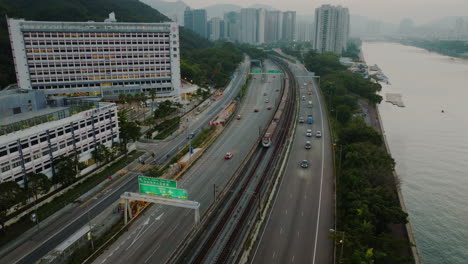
[{"x": 298, "y": 225}]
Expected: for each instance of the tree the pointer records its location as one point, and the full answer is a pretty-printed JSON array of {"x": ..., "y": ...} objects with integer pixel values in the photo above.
[
  {"x": 10, "y": 195},
  {"x": 122, "y": 98},
  {"x": 101, "y": 154},
  {"x": 38, "y": 183},
  {"x": 152, "y": 93},
  {"x": 128, "y": 130},
  {"x": 67, "y": 168}
]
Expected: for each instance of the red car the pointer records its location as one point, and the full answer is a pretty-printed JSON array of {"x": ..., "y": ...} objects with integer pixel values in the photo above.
[
  {"x": 238, "y": 117},
  {"x": 228, "y": 155},
  {"x": 277, "y": 90},
  {"x": 310, "y": 93},
  {"x": 269, "y": 107},
  {"x": 255, "y": 110}
]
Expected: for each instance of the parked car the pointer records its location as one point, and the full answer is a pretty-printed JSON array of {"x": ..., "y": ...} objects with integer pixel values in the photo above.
[
  {"x": 304, "y": 164},
  {"x": 228, "y": 155},
  {"x": 308, "y": 132}
]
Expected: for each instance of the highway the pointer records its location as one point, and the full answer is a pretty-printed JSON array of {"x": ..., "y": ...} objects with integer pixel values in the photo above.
[
  {"x": 156, "y": 234},
  {"x": 60, "y": 228},
  {"x": 298, "y": 224}
]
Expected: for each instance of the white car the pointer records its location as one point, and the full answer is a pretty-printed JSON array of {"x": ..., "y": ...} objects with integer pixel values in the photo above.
[
  {"x": 318, "y": 134},
  {"x": 309, "y": 132},
  {"x": 301, "y": 119}
]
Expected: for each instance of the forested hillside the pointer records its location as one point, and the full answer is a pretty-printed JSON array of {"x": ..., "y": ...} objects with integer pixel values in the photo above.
[{"x": 98, "y": 10}]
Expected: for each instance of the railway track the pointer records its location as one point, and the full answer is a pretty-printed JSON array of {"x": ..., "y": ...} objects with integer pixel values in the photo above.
[{"x": 221, "y": 242}]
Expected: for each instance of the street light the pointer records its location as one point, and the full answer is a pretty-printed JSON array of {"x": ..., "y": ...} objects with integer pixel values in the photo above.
[{"x": 341, "y": 241}]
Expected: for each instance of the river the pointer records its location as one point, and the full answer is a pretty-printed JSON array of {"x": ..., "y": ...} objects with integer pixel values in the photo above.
[{"x": 430, "y": 147}]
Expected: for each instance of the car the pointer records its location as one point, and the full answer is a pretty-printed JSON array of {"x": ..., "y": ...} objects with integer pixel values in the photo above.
[
  {"x": 274, "y": 76},
  {"x": 304, "y": 164},
  {"x": 318, "y": 134},
  {"x": 301, "y": 119},
  {"x": 255, "y": 110},
  {"x": 267, "y": 101},
  {"x": 191, "y": 135},
  {"x": 269, "y": 107},
  {"x": 238, "y": 117},
  {"x": 305, "y": 84},
  {"x": 264, "y": 94},
  {"x": 309, "y": 93},
  {"x": 307, "y": 145},
  {"x": 277, "y": 90},
  {"x": 228, "y": 155},
  {"x": 303, "y": 98},
  {"x": 309, "y": 132}
]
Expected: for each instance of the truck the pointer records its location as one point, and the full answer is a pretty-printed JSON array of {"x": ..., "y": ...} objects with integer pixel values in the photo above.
[{"x": 310, "y": 120}]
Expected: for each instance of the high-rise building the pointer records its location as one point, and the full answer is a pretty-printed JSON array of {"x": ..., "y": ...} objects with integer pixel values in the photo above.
[
  {"x": 232, "y": 25},
  {"x": 248, "y": 25},
  {"x": 261, "y": 16},
  {"x": 36, "y": 130},
  {"x": 289, "y": 26},
  {"x": 92, "y": 58},
  {"x": 215, "y": 28},
  {"x": 196, "y": 20},
  {"x": 273, "y": 26},
  {"x": 331, "y": 29},
  {"x": 304, "y": 31}
]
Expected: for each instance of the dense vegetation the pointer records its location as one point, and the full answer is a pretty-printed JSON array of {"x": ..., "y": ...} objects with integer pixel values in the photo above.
[
  {"x": 353, "y": 49},
  {"x": 453, "y": 48},
  {"x": 367, "y": 203},
  {"x": 214, "y": 62}
]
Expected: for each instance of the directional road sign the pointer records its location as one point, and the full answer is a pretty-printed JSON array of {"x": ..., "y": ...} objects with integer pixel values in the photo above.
[
  {"x": 274, "y": 71},
  {"x": 257, "y": 71},
  {"x": 163, "y": 191},
  {"x": 157, "y": 182}
]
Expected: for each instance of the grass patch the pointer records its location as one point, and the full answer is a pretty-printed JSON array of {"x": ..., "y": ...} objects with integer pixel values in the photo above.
[
  {"x": 46, "y": 210},
  {"x": 243, "y": 91},
  {"x": 167, "y": 127}
]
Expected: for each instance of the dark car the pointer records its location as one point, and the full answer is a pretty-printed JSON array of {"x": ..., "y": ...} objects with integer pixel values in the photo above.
[{"x": 304, "y": 164}]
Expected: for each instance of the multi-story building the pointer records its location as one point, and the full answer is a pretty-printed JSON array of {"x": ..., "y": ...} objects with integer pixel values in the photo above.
[
  {"x": 289, "y": 26},
  {"x": 35, "y": 131},
  {"x": 196, "y": 20},
  {"x": 261, "y": 19},
  {"x": 248, "y": 25},
  {"x": 92, "y": 58},
  {"x": 231, "y": 25},
  {"x": 215, "y": 28},
  {"x": 273, "y": 26},
  {"x": 331, "y": 29}
]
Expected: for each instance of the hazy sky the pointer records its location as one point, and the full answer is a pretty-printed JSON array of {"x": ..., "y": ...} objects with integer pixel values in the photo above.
[{"x": 421, "y": 11}]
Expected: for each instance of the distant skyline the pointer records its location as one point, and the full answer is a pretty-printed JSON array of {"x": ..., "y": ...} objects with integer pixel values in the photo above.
[{"x": 393, "y": 11}]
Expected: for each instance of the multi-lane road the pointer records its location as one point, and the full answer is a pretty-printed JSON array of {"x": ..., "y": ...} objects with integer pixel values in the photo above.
[
  {"x": 60, "y": 228},
  {"x": 157, "y": 232},
  {"x": 297, "y": 227}
]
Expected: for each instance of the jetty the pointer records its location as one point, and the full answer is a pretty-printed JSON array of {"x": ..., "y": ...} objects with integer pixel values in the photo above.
[{"x": 395, "y": 99}]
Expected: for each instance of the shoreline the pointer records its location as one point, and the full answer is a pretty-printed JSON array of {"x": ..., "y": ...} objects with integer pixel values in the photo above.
[{"x": 377, "y": 124}]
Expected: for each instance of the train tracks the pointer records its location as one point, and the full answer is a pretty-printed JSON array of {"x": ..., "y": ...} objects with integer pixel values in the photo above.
[{"x": 225, "y": 231}]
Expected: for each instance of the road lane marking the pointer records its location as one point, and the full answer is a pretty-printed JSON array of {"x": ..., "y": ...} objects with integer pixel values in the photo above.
[
  {"x": 286, "y": 212},
  {"x": 154, "y": 251},
  {"x": 274, "y": 253},
  {"x": 321, "y": 178},
  {"x": 281, "y": 230},
  {"x": 292, "y": 260}
]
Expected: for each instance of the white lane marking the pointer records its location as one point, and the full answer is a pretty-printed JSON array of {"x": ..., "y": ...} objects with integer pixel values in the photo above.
[
  {"x": 302, "y": 213},
  {"x": 274, "y": 253},
  {"x": 321, "y": 178},
  {"x": 286, "y": 212},
  {"x": 298, "y": 233},
  {"x": 292, "y": 260},
  {"x": 281, "y": 230},
  {"x": 154, "y": 251}
]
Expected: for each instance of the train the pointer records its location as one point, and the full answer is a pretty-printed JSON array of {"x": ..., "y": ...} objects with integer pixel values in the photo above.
[{"x": 270, "y": 133}]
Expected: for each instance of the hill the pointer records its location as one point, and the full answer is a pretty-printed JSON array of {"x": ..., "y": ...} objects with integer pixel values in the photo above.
[
  {"x": 173, "y": 10},
  {"x": 79, "y": 10}
]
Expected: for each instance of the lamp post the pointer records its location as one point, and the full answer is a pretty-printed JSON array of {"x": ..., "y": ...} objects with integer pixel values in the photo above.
[{"x": 341, "y": 241}]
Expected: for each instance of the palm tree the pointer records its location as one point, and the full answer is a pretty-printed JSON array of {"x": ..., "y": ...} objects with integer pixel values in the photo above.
[{"x": 152, "y": 93}]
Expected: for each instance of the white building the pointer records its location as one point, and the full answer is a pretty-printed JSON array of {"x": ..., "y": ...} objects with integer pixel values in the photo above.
[
  {"x": 261, "y": 26},
  {"x": 31, "y": 138},
  {"x": 331, "y": 29},
  {"x": 248, "y": 25},
  {"x": 92, "y": 58},
  {"x": 215, "y": 28}
]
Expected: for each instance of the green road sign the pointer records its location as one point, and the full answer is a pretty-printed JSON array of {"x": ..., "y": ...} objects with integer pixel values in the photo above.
[
  {"x": 157, "y": 182},
  {"x": 274, "y": 71},
  {"x": 163, "y": 191},
  {"x": 257, "y": 71}
]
